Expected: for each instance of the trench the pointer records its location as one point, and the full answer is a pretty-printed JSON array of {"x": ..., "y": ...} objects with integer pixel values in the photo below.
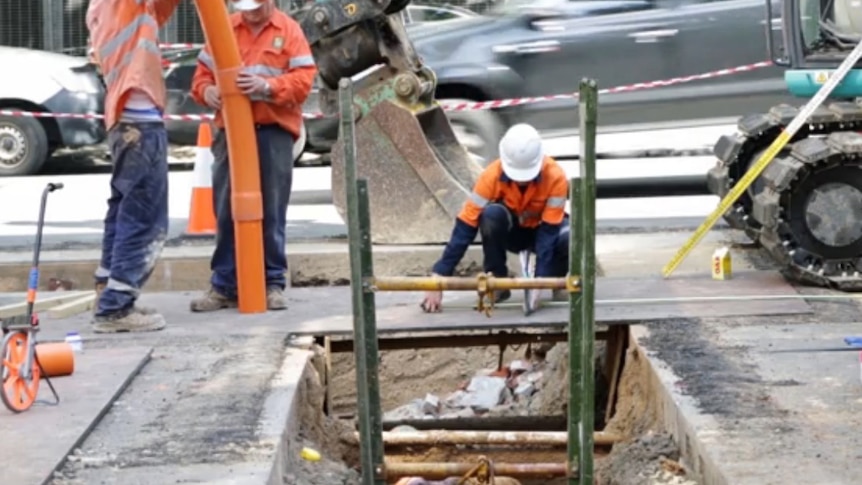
[{"x": 417, "y": 388}]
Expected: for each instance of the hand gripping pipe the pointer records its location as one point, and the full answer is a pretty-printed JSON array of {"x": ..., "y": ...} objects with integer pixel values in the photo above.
[{"x": 246, "y": 200}]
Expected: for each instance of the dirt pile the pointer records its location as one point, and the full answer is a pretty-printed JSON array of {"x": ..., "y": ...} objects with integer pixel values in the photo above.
[{"x": 332, "y": 438}]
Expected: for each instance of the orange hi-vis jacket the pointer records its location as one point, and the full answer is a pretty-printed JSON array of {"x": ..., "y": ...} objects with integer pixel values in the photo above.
[
  {"x": 124, "y": 36},
  {"x": 539, "y": 206},
  {"x": 281, "y": 54},
  {"x": 544, "y": 199}
]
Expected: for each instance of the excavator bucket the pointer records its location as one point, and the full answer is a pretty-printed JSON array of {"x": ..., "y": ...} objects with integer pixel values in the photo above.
[{"x": 418, "y": 174}]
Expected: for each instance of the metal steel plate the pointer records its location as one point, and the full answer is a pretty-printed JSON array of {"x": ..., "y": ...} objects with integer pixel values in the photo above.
[{"x": 400, "y": 312}]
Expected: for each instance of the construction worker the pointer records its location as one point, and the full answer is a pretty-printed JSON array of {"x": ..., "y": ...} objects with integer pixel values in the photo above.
[
  {"x": 125, "y": 45},
  {"x": 277, "y": 77},
  {"x": 518, "y": 203}
]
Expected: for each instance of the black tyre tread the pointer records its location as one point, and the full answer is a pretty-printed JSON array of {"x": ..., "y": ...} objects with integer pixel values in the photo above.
[
  {"x": 800, "y": 263},
  {"x": 756, "y": 132}
]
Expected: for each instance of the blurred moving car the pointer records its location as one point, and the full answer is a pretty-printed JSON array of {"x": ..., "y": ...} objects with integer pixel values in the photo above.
[
  {"x": 544, "y": 47},
  {"x": 46, "y": 82}
]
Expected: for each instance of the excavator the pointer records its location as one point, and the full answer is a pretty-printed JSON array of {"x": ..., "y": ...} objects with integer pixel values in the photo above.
[
  {"x": 418, "y": 174},
  {"x": 805, "y": 208}
]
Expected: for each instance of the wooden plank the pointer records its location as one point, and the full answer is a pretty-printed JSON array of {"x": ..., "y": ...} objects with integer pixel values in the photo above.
[
  {"x": 16, "y": 309},
  {"x": 74, "y": 307},
  {"x": 616, "y": 347}
]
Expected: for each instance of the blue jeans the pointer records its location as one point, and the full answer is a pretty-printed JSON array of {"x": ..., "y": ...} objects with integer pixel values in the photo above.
[
  {"x": 501, "y": 232},
  {"x": 275, "y": 153},
  {"x": 136, "y": 223}
]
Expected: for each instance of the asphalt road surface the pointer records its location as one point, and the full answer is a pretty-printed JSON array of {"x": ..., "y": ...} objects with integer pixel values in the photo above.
[{"x": 74, "y": 214}]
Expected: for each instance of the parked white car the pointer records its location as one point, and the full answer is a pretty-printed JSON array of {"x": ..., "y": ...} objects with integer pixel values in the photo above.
[{"x": 46, "y": 82}]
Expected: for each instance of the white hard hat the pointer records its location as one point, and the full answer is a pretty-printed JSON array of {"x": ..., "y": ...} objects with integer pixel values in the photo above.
[
  {"x": 244, "y": 5},
  {"x": 521, "y": 153}
]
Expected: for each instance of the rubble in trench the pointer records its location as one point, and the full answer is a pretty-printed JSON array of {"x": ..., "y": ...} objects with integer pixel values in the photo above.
[{"x": 524, "y": 387}]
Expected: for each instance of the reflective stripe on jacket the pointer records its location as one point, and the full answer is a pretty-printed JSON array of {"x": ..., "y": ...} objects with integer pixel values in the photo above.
[
  {"x": 124, "y": 35},
  {"x": 543, "y": 200},
  {"x": 280, "y": 53}
]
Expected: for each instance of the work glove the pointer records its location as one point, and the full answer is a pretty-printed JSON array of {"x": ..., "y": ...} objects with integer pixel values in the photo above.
[
  {"x": 433, "y": 301},
  {"x": 212, "y": 97},
  {"x": 252, "y": 84}
]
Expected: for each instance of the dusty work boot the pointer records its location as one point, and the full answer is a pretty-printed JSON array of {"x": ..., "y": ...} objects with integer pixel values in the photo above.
[
  {"x": 212, "y": 301},
  {"x": 275, "y": 299},
  {"x": 133, "y": 321},
  {"x": 100, "y": 288}
]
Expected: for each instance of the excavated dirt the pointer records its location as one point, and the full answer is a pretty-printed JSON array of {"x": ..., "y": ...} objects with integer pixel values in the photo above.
[{"x": 646, "y": 457}]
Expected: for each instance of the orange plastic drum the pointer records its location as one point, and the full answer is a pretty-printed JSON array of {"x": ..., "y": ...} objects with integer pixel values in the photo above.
[{"x": 57, "y": 358}]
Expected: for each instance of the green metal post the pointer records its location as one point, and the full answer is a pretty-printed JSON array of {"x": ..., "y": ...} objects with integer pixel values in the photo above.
[
  {"x": 582, "y": 361},
  {"x": 575, "y": 301},
  {"x": 364, "y": 314}
]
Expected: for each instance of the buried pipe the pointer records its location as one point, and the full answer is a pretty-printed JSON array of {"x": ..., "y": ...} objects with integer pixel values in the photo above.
[
  {"x": 490, "y": 438},
  {"x": 440, "y": 471}
]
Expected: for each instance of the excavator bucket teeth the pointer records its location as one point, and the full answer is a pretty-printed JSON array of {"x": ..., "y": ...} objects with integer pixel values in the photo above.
[{"x": 418, "y": 174}]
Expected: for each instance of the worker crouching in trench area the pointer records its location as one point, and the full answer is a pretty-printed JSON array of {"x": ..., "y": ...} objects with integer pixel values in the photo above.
[{"x": 517, "y": 204}]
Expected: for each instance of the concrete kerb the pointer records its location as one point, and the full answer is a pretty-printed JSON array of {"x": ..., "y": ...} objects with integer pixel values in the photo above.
[
  {"x": 280, "y": 418},
  {"x": 187, "y": 268},
  {"x": 676, "y": 412}
]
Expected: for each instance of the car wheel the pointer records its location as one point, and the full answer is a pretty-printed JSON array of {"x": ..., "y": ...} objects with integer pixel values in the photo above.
[
  {"x": 23, "y": 146},
  {"x": 478, "y": 131},
  {"x": 299, "y": 145}
]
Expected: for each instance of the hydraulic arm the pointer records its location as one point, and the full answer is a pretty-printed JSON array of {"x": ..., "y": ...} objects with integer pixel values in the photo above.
[
  {"x": 418, "y": 174},
  {"x": 805, "y": 209}
]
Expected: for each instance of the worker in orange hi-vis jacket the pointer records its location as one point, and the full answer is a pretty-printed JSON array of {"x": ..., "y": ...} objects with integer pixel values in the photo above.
[
  {"x": 277, "y": 77},
  {"x": 125, "y": 45},
  {"x": 517, "y": 204}
]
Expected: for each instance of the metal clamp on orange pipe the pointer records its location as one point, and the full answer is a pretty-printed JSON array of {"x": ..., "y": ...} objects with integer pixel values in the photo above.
[{"x": 246, "y": 199}]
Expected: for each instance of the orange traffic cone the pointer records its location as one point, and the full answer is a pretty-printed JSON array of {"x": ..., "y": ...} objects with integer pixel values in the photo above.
[{"x": 202, "y": 221}]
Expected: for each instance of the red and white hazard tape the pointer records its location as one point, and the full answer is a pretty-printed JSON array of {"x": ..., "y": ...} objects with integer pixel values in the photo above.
[{"x": 472, "y": 106}]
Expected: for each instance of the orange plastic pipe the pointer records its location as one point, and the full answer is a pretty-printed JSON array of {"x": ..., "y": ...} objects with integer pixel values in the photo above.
[
  {"x": 57, "y": 358},
  {"x": 246, "y": 199}
]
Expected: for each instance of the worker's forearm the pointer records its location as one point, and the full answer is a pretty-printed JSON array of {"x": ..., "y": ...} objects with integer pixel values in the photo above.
[
  {"x": 546, "y": 239},
  {"x": 462, "y": 235},
  {"x": 203, "y": 78}
]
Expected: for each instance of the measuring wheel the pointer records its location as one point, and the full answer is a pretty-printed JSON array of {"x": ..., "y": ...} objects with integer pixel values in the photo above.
[{"x": 20, "y": 372}]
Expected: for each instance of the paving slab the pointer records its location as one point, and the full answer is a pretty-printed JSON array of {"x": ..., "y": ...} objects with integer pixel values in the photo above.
[
  {"x": 198, "y": 411},
  {"x": 745, "y": 414},
  {"x": 39, "y": 439}
]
